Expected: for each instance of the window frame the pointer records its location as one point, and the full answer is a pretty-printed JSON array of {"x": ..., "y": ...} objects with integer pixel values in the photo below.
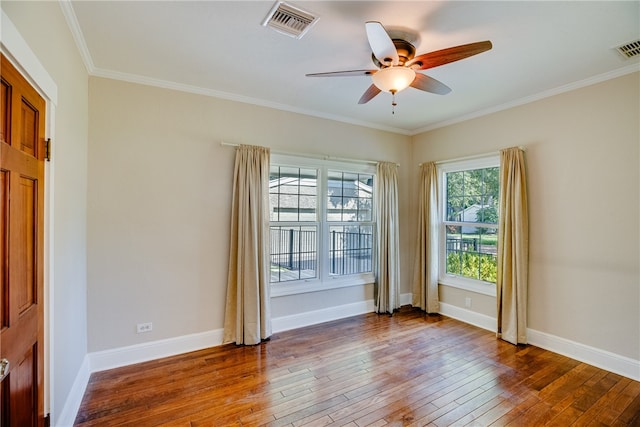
[
  {"x": 324, "y": 279},
  {"x": 466, "y": 283}
]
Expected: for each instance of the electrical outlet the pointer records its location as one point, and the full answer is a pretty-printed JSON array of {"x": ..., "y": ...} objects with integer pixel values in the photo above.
[
  {"x": 467, "y": 302},
  {"x": 145, "y": 327}
]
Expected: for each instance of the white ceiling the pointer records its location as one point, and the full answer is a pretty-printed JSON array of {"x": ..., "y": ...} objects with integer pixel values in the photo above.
[{"x": 221, "y": 49}]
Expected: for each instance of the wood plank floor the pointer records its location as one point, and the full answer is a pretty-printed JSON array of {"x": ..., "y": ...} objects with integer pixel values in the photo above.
[{"x": 410, "y": 369}]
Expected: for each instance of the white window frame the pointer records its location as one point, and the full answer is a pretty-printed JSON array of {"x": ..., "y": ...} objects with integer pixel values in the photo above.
[
  {"x": 324, "y": 280},
  {"x": 473, "y": 285}
]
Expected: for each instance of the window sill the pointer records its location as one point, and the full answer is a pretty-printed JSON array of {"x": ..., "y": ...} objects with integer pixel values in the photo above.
[
  {"x": 317, "y": 285},
  {"x": 469, "y": 285}
]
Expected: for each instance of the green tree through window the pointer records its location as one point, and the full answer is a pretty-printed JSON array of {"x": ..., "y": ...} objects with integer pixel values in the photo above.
[{"x": 470, "y": 222}]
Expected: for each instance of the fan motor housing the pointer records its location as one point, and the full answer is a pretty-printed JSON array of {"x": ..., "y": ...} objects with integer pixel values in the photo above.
[{"x": 406, "y": 51}]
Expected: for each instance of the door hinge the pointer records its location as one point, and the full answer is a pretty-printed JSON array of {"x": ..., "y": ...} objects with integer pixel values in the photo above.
[{"x": 47, "y": 150}]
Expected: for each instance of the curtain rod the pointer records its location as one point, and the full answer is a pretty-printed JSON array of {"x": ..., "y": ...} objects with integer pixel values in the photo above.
[
  {"x": 474, "y": 156},
  {"x": 314, "y": 156}
]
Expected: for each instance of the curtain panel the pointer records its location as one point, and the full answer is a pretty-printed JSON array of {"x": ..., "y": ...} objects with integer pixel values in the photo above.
[
  {"x": 248, "y": 309},
  {"x": 513, "y": 248},
  {"x": 388, "y": 264},
  {"x": 425, "y": 277}
]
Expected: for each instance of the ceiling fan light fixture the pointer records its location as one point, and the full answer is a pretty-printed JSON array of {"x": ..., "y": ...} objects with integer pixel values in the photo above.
[{"x": 393, "y": 79}]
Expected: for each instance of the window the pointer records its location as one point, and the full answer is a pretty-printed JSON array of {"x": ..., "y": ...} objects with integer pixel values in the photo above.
[
  {"x": 469, "y": 226},
  {"x": 293, "y": 200},
  {"x": 322, "y": 229},
  {"x": 350, "y": 216}
]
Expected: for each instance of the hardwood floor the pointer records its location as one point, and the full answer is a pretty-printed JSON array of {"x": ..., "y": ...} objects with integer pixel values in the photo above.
[{"x": 410, "y": 369}]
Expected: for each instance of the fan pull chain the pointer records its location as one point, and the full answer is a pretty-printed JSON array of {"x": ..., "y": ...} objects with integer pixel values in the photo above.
[{"x": 393, "y": 102}]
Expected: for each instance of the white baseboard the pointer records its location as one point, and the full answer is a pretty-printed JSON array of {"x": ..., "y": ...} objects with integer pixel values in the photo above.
[
  {"x": 122, "y": 356},
  {"x": 476, "y": 319},
  {"x": 294, "y": 321},
  {"x": 108, "y": 359},
  {"x": 308, "y": 318},
  {"x": 603, "y": 359},
  {"x": 406, "y": 299},
  {"x": 68, "y": 413}
]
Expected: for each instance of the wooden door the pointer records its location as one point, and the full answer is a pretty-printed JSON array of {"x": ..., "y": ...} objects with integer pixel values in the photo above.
[{"x": 22, "y": 125}]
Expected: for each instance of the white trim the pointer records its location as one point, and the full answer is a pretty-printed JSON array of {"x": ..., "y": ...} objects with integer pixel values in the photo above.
[
  {"x": 406, "y": 299},
  {"x": 471, "y": 317},
  {"x": 603, "y": 359},
  {"x": 300, "y": 320},
  {"x": 76, "y": 31},
  {"x": 533, "y": 98},
  {"x": 78, "y": 36},
  {"x": 137, "y": 353},
  {"x": 471, "y": 285},
  {"x": 323, "y": 280},
  {"x": 480, "y": 161},
  {"x": 69, "y": 412},
  {"x": 122, "y": 356},
  {"x": 295, "y": 155},
  {"x": 328, "y": 162},
  {"x": 295, "y": 287},
  {"x": 18, "y": 51},
  {"x": 165, "y": 84}
]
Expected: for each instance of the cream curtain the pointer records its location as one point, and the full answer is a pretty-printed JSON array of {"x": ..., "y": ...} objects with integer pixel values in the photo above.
[
  {"x": 248, "y": 311},
  {"x": 513, "y": 248},
  {"x": 425, "y": 277},
  {"x": 388, "y": 264}
]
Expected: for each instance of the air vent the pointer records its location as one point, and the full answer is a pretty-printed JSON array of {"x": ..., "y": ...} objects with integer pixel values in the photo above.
[
  {"x": 289, "y": 20},
  {"x": 630, "y": 50}
]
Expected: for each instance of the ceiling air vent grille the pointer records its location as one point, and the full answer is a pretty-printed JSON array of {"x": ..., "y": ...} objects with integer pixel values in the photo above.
[
  {"x": 630, "y": 49},
  {"x": 289, "y": 20}
]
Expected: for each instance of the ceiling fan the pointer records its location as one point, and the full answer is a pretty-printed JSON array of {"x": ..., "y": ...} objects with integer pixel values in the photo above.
[{"x": 397, "y": 64}]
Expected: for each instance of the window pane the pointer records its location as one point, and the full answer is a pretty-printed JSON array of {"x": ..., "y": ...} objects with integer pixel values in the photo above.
[
  {"x": 307, "y": 205},
  {"x": 471, "y": 252},
  {"x": 292, "y": 194},
  {"x": 293, "y": 253},
  {"x": 454, "y": 184},
  {"x": 350, "y": 211},
  {"x": 294, "y": 206},
  {"x": 274, "y": 175},
  {"x": 472, "y": 196},
  {"x": 350, "y": 249},
  {"x": 364, "y": 210},
  {"x": 473, "y": 182},
  {"x": 455, "y": 207},
  {"x": 308, "y": 178},
  {"x": 349, "y": 186},
  {"x": 357, "y": 196},
  {"x": 334, "y": 183}
]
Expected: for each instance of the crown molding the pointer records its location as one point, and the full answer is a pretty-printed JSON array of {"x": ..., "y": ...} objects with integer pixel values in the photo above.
[
  {"x": 76, "y": 32},
  {"x": 533, "y": 98}
]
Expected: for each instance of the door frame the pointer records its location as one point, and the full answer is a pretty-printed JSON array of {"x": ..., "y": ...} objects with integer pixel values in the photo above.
[{"x": 18, "y": 52}]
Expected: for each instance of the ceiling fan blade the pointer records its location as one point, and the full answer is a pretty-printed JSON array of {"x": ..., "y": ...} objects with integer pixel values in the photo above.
[
  {"x": 349, "y": 73},
  {"x": 381, "y": 44},
  {"x": 369, "y": 94},
  {"x": 445, "y": 56},
  {"x": 429, "y": 84}
]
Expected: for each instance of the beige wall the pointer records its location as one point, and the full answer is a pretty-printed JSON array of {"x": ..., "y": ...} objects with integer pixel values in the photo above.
[
  {"x": 43, "y": 27},
  {"x": 159, "y": 205},
  {"x": 583, "y": 161}
]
